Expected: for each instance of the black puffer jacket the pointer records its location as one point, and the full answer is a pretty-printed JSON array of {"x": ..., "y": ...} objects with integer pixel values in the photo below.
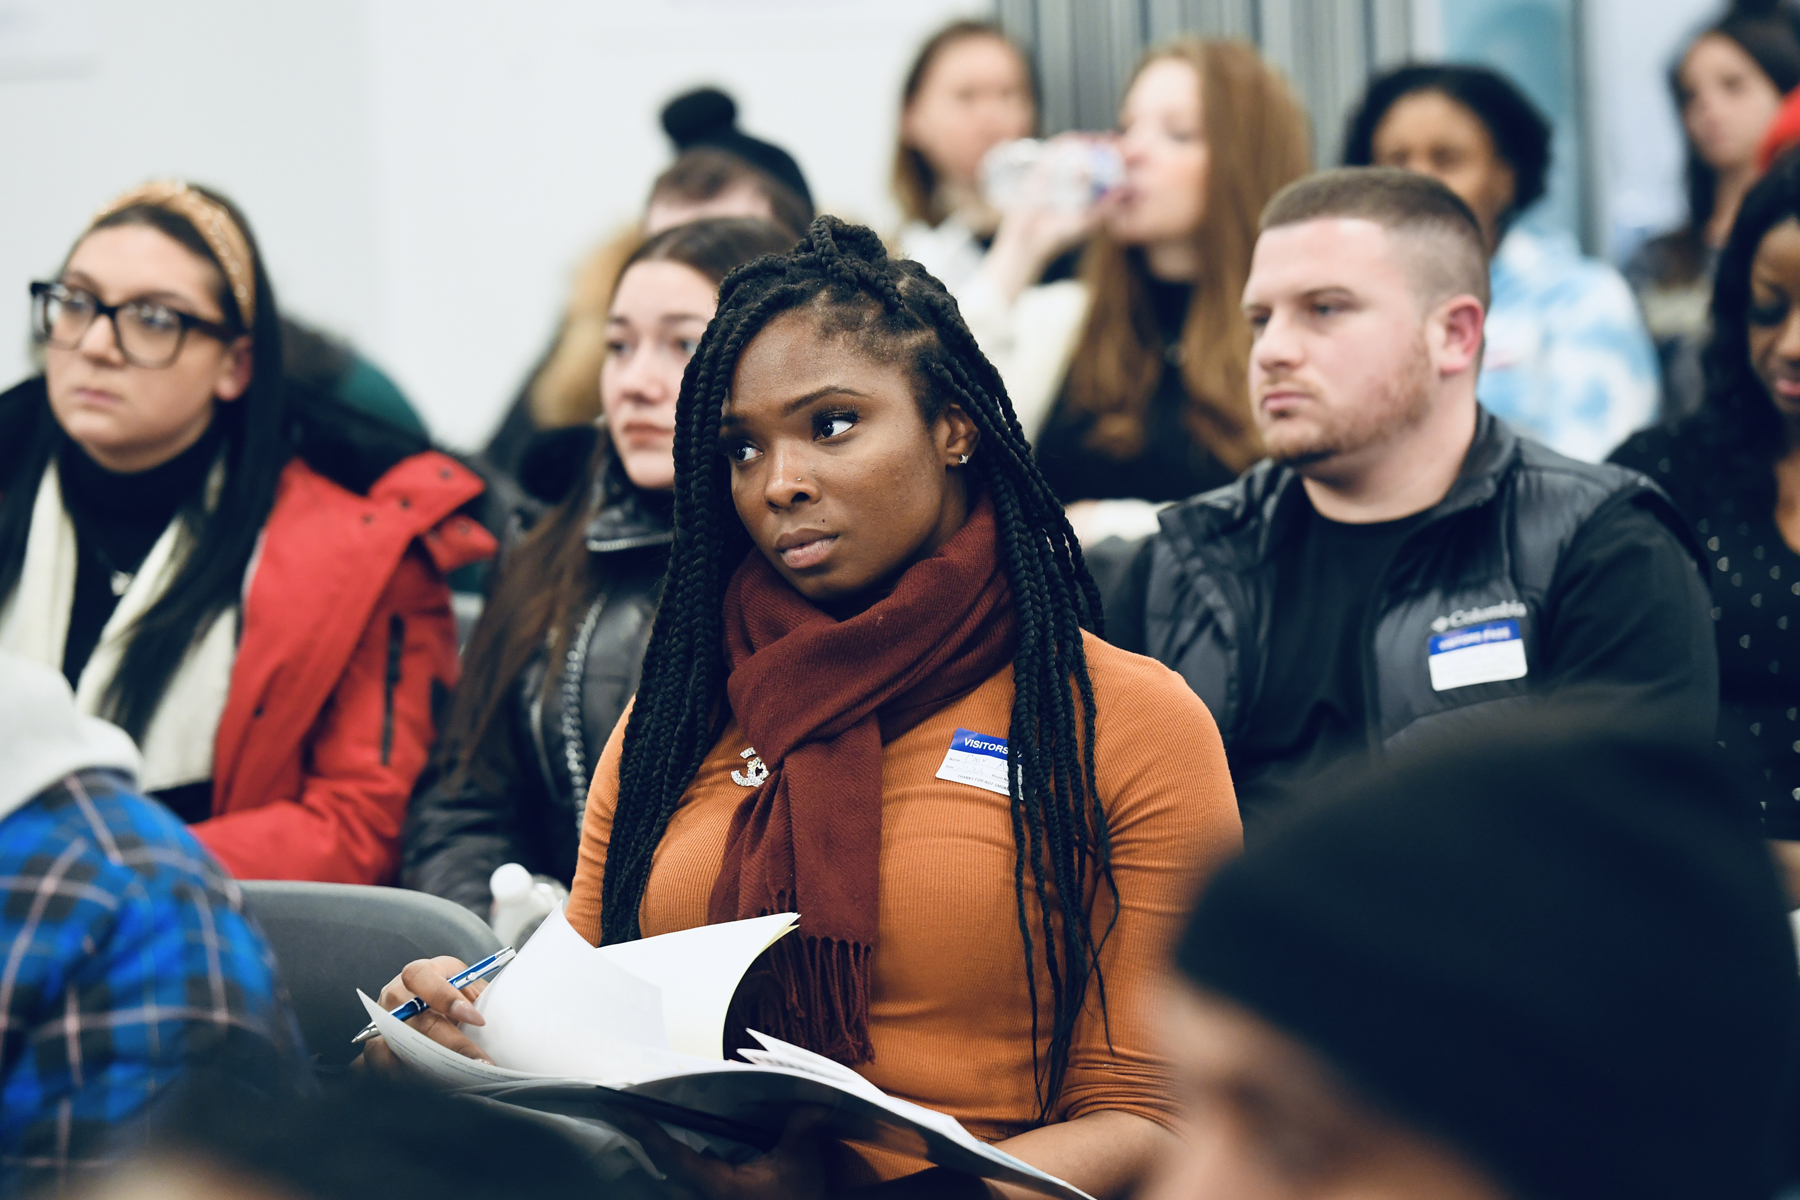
[
  {"x": 459, "y": 831},
  {"x": 1504, "y": 544}
]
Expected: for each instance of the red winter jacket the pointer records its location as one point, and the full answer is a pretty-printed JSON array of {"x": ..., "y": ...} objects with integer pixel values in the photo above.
[
  {"x": 347, "y": 633},
  {"x": 1782, "y": 133}
]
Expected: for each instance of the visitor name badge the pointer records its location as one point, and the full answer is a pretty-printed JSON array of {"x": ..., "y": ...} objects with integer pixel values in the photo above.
[
  {"x": 978, "y": 759},
  {"x": 1485, "y": 653}
]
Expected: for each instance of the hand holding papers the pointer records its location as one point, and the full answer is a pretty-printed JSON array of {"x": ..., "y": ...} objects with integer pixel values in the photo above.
[
  {"x": 641, "y": 1025},
  {"x": 490, "y": 965}
]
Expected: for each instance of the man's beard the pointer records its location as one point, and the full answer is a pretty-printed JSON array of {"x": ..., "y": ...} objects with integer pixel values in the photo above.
[{"x": 1402, "y": 405}]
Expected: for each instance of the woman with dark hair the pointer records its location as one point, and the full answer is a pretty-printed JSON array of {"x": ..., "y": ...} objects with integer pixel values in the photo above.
[
  {"x": 719, "y": 171},
  {"x": 1132, "y": 380},
  {"x": 875, "y": 695},
  {"x": 1566, "y": 359},
  {"x": 1727, "y": 86},
  {"x": 558, "y": 648},
  {"x": 243, "y": 574},
  {"x": 969, "y": 90},
  {"x": 1733, "y": 469}
]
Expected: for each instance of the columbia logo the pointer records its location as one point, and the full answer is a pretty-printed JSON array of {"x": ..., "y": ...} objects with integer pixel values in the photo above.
[{"x": 1472, "y": 616}]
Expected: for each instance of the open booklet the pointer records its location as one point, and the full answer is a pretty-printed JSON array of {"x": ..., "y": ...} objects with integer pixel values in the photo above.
[{"x": 642, "y": 1025}]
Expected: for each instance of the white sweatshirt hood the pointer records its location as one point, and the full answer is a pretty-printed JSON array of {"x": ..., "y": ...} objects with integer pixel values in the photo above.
[{"x": 43, "y": 738}]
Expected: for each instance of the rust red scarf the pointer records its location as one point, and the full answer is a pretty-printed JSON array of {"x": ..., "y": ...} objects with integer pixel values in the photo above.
[{"x": 817, "y": 697}]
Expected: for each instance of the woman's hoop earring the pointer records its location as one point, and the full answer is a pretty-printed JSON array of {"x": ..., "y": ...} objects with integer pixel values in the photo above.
[{"x": 962, "y": 460}]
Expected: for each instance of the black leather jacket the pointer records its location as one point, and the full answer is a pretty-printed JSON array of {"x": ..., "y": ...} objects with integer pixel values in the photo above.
[
  {"x": 457, "y": 831},
  {"x": 1497, "y": 546}
]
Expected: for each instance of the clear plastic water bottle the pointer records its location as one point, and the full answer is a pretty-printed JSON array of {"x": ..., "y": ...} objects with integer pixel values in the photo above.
[
  {"x": 1066, "y": 173},
  {"x": 520, "y": 903}
]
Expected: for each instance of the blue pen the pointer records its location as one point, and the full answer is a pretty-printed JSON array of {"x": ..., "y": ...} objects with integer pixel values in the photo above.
[{"x": 416, "y": 1005}]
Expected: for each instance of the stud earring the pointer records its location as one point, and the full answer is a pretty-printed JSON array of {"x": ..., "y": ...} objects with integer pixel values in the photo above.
[{"x": 962, "y": 460}]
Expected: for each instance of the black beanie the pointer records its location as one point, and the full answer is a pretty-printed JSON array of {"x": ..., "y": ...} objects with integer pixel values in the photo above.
[
  {"x": 1565, "y": 953},
  {"x": 708, "y": 117}
]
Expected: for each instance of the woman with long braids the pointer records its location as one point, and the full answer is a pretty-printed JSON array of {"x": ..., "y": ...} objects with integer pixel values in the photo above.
[
  {"x": 244, "y": 574},
  {"x": 875, "y": 696}
]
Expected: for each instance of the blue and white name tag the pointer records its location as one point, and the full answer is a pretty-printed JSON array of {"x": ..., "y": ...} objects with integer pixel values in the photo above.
[
  {"x": 978, "y": 759},
  {"x": 1476, "y": 654}
]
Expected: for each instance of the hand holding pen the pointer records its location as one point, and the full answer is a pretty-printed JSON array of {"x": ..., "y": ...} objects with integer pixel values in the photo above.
[{"x": 425, "y": 988}]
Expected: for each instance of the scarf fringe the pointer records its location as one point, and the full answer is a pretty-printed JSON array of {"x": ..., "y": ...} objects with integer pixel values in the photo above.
[{"x": 813, "y": 992}]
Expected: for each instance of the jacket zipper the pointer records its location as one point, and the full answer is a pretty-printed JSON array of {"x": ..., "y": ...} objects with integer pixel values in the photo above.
[
  {"x": 636, "y": 542},
  {"x": 396, "y": 649}
]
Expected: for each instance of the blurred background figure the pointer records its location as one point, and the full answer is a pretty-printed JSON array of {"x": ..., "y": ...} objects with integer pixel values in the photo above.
[
  {"x": 719, "y": 171},
  {"x": 559, "y": 646},
  {"x": 1131, "y": 380},
  {"x": 708, "y": 178},
  {"x": 520, "y": 138},
  {"x": 1567, "y": 360},
  {"x": 131, "y": 964},
  {"x": 968, "y": 91},
  {"x": 1727, "y": 85},
  {"x": 1733, "y": 469},
  {"x": 1576, "y": 980}
]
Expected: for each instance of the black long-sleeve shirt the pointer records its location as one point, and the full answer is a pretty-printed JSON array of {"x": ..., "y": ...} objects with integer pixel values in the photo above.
[{"x": 1754, "y": 576}]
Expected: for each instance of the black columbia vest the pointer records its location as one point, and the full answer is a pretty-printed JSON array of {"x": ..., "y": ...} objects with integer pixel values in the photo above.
[{"x": 1487, "y": 554}]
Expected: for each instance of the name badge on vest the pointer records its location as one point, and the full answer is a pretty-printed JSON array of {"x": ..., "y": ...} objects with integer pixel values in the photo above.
[
  {"x": 1475, "y": 654},
  {"x": 978, "y": 759}
]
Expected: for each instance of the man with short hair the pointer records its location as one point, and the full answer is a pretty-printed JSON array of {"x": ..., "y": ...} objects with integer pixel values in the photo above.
[
  {"x": 1537, "y": 961},
  {"x": 1403, "y": 560}
]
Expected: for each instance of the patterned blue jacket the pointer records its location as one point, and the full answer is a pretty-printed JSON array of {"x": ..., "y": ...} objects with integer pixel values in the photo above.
[
  {"x": 1568, "y": 361},
  {"x": 126, "y": 961}
]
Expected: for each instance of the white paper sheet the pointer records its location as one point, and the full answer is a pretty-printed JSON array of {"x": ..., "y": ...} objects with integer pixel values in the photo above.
[
  {"x": 787, "y": 1056},
  {"x": 560, "y": 1008},
  {"x": 452, "y": 1070},
  {"x": 697, "y": 971},
  {"x": 777, "y": 1053}
]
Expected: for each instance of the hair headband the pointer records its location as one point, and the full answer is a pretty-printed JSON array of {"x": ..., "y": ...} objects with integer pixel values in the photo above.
[{"x": 211, "y": 220}]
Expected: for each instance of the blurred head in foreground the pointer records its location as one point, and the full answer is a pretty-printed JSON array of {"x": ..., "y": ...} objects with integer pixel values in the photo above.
[
  {"x": 362, "y": 1140},
  {"x": 1541, "y": 962}
]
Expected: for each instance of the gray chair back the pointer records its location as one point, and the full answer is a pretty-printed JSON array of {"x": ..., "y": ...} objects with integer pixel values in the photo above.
[{"x": 332, "y": 938}]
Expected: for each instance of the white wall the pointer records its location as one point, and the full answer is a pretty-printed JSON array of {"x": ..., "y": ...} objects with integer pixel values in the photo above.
[{"x": 423, "y": 174}]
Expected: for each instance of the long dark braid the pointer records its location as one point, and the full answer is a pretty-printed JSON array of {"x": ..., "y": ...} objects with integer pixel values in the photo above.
[{"x": 896, "y": 311}]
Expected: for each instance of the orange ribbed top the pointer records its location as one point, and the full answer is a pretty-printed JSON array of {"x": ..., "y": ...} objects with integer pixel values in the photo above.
[{"x": 949, "y": 1015}]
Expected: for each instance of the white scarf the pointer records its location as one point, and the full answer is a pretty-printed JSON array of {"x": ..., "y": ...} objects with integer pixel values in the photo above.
[{"x": 177, "y": 745}]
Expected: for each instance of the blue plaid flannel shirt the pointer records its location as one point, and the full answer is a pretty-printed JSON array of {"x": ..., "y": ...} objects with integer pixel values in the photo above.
[{"x": 127, "y": 959}]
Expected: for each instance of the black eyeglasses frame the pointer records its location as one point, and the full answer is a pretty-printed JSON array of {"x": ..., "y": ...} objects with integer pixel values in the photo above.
[{"x": 42, "y": 291}]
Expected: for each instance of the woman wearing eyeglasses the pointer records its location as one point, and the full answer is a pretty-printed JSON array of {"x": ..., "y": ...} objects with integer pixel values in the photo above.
[{"x": 243, "y": 574}]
